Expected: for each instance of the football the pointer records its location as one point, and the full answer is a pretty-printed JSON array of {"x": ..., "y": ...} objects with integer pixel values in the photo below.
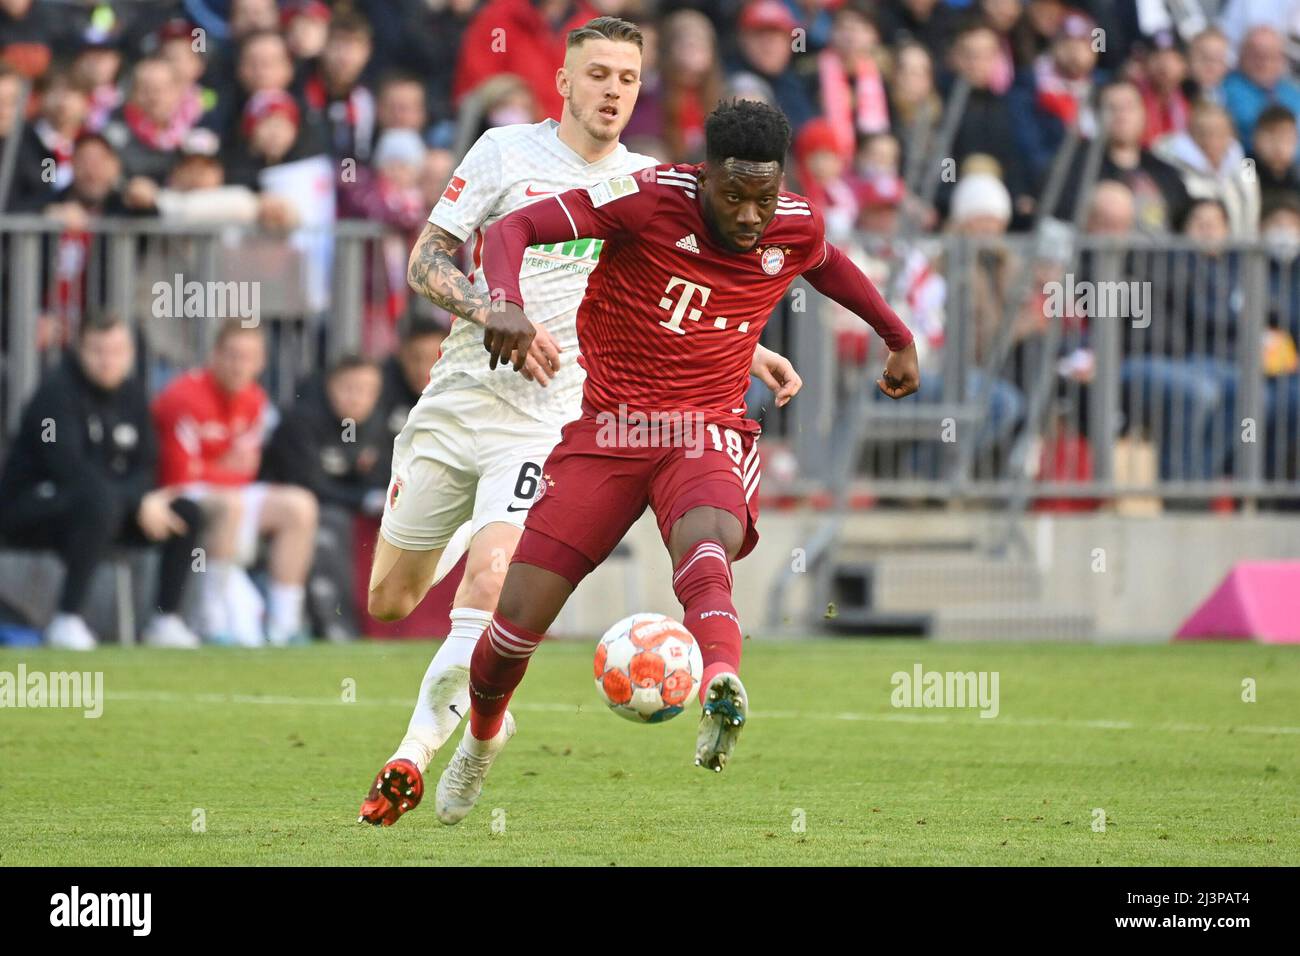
[{"x": 647, "y": 668}]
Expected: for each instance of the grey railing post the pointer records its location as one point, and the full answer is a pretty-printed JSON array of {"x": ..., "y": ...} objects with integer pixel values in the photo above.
[
  {"x": 347, "y": 294},
  {"x": 24, "y": 270},
  {"x": 1248, "y": 455}
]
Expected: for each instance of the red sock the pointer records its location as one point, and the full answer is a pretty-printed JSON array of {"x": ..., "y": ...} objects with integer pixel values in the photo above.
[
  {"x": 702, "y": 582},
  {"x": 495, "y": 670}
]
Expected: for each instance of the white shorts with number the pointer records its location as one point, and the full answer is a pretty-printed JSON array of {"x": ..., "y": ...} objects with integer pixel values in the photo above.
[{"x": 463, "y": 455}]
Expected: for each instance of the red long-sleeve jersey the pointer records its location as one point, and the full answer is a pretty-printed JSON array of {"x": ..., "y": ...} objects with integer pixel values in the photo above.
[
  {"x": 199, "y": 424},
  {"x": 670, "y": 319}
]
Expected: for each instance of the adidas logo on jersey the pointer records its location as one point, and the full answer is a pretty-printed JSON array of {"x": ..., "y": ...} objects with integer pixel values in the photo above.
[{"x": 688, "y": 243}]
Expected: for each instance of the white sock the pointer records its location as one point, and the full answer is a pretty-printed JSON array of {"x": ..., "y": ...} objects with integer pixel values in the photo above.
[
  {"x": 283, "y": 611},
  {"x": 214, "y": 615},
  {"x": 429, "y": 729}
]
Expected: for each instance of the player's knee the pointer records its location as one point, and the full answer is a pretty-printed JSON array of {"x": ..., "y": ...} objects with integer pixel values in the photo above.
[{"x": 388, "y": 603}]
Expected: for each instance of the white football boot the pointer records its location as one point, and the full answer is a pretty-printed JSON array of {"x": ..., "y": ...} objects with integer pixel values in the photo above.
[
  {"x": 168, "y": 630},
  {"x": 726, "y": 707},
  {"x": 462, "y": 782},
  {"x": 68, "y": 632}
]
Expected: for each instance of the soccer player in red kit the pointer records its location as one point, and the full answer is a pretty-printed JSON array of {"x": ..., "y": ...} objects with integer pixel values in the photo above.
[{"x": 694, "y": 260}]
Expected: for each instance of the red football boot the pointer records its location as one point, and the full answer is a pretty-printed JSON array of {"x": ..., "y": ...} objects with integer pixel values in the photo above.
[{"x": 397, "y": 788}]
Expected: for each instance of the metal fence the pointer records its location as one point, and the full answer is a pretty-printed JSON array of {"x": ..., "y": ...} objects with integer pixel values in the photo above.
[
  {"x": 1057, "y": 369},
  {"x": 316, "y": 293},
  {"x": 1054, "y": 366}
]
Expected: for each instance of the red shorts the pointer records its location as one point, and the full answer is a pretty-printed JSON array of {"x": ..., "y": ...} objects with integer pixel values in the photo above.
[{"x": 597, "y": 483}]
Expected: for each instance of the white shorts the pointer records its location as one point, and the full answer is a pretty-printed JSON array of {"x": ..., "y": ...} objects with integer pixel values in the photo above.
[
  {"x": 251, "y": 498},
  {"x": 463, "y": 455}
]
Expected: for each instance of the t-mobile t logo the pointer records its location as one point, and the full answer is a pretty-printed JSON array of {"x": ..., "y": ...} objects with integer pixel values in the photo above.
[{"x": 680, "y": 310}]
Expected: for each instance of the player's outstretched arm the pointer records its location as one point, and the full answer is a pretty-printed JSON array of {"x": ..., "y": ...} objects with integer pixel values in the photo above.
[
  {"x": 431, "y": 271},
  {"x": 776, "y": 372},
  {"x": 836, "y": 277}
]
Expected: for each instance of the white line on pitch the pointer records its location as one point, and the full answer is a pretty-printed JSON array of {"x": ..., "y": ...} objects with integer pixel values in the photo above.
[{"x": 171, "y": 697}]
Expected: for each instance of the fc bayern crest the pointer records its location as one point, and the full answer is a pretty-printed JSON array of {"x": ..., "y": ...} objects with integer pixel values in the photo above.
[{"x": 773, "y": 260}]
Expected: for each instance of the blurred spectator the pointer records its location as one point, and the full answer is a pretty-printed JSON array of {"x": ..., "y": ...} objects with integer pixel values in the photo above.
[
  {"x": 80, "y": 478},
  {"x": 1237, "y": 17},
  {"x": 1259, "y": 81},
  {"x": 850, "y": 82},
  {"x": 1209, "y": 58},
  {"x": 174, "y": 41},
  {"x": 1167, "y": 106},
  {"x": 1274, "y": 155},
  {"x": 401, "y": 103},
  {"x": 334, "y": 94},
  {"x": 390, "y": 191},
  {"x": 210, "y": 424},
  {"x": 1057, "y": 96},
  {"x": 196, "y": 192},
  {"x": 1211, "y": 163},
  {"x": 250, "y": 16},
  {"x": 306, "y": 28},
  {"x": 99, "y": 65},
  {"x": 95, "y": 189},
  {"x": 28, "y": 31},
  {"x": 766, "y": 49},
  {"x": 988, "y": 125},
  {"x": 692, "y": 84},
  {"x": 880, "y": 189},
  {"x": 536, "y": 33},
  {"x": 1157, "y": 189},
  {"x": 913, "y": 98},
  {"x": 44, "y": 164},
  {"x": 501, "y": 100},
  {"x": 335, "y": 443},
  {"x": 406, "y": 370},
  {"x": 11, "y": 92},
  {"x": 425, "y": 41},
  {"x": 1003, "y": 16},
  {"x": 824, "y": 177},
  {"x": 816, "y": 19},
  {"x": 157, "y": 116},
  {"x": 928, "y": 22},
  {"x": 270, "y": 134},
  {"x": 435, "y": 173}
]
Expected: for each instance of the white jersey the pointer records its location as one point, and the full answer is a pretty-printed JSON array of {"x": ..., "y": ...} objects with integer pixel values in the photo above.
[{"x": 508, "y": 168}]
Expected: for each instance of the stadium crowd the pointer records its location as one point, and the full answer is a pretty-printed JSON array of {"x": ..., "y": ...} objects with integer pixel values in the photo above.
[{"x": 177, "y": 110}]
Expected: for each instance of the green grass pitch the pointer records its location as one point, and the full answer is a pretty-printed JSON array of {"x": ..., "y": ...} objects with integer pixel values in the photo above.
[{"x": 245, "y": 757}]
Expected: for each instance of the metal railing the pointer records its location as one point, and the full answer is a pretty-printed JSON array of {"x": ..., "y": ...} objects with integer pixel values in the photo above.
[
  {"x": 317, "y": 295},
  {"x": 1123, "y": 367},
  {"x": 1054, "y": 365}
]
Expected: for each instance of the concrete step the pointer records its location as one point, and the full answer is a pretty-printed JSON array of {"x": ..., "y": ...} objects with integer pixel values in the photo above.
[{"x": 1032, "y": 622}]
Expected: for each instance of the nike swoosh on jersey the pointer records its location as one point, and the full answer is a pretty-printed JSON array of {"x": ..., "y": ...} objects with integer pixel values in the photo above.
[{"x": 529, "y": 191}]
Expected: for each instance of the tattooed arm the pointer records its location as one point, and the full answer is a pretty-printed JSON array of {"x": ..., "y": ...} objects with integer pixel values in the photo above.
[{"x": 432, "y": 272}]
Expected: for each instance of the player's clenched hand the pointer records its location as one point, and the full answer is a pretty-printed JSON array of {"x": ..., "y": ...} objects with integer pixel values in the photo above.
[
  {"x": 902, "y": 375},
  {"x": 776, "y": 372},
  {"x": 507, "y": 336},
  {"x": 543, "y": 358}
]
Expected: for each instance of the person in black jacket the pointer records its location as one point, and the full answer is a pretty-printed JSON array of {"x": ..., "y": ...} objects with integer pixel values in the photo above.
[
  {"x": 334, "y": 441},
  {"x": 406, "y": 371},
  {"x": 80, "y": 477}
]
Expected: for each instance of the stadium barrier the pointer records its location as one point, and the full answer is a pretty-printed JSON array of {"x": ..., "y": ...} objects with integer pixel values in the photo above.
[{"x": 1058, "y": 370}]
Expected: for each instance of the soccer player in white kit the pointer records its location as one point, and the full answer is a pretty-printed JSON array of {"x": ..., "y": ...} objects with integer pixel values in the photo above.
[{"x": 468, "y": 463}]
